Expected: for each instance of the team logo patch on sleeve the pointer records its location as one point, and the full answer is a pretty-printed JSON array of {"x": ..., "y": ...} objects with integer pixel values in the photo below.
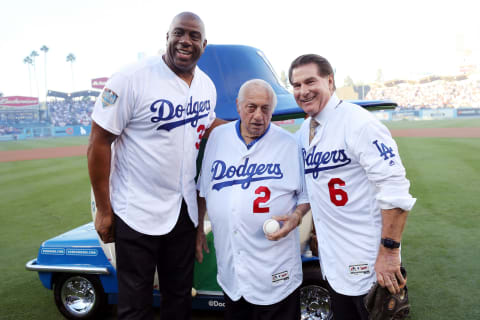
[
  {"x": 108, "y": 97},
  {"x": 385, "y": 152}
]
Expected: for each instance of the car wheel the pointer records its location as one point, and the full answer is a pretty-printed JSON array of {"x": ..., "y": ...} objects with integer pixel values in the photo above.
[
  {"x": 315, "y": 300},
  {"x": 79, "y": 296}
]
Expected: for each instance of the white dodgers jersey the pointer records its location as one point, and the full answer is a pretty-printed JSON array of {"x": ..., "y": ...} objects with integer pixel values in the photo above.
[
  {"x": 244, "y": 187},
  {"x": 159, "y": 121},
  {"x": 352, "y": 171}
]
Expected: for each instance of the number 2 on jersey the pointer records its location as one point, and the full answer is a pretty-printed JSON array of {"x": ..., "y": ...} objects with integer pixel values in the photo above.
[
  {"x": 337, "y": 196},
  {"x": 262, "y": 199}
]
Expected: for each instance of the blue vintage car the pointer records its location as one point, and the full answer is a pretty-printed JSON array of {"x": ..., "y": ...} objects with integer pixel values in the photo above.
[{"x": 80, "y": 269}]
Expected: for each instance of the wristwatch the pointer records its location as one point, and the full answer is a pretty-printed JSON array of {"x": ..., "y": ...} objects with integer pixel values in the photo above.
[{"x": 390, "y": 243}]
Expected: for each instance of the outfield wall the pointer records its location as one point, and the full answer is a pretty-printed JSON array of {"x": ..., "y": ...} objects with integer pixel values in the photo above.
[
  {"x": 427, "y": 114},
  {"x": 388, "y": 115},
  {"x": 47, "y": 131}
]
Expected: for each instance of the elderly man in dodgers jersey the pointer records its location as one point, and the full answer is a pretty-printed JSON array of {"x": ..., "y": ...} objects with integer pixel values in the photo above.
[
  {"x": 155, "y": 112},
  {"x": 251, "y": 172},
  {"x": 357, "y": 189}
]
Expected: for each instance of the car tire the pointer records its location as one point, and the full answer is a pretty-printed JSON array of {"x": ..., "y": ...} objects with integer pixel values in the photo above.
[
  {"x": 315, "y": 299},
  {"x": 79, "y": 296}
]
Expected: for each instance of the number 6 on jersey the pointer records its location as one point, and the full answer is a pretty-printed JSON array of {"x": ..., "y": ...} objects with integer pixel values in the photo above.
[{"x": 338, "y": 196}]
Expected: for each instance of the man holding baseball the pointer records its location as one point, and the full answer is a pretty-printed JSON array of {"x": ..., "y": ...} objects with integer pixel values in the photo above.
[
  {"x": 357, "y": 189},
  {"x": 155, "y": 113},
  {"x": 251, "y": 172}
]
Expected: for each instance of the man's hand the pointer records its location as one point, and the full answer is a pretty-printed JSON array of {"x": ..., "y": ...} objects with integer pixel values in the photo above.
[
  {"x": 290, "y": 222},
  {"x": 104, "y": 226},
  {"x": 201, "y": 244},
  {"x": 387, "y": 268}
]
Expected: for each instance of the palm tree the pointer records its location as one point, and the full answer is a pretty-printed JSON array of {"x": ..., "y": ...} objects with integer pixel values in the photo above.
[
  {"x": 28, "y": 61},
  {"x": 71, "y": 58},
  {"x": 45, "y": 49},
  {"x": 33, "y": 55}
]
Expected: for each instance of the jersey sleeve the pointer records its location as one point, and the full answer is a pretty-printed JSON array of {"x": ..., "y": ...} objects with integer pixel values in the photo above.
[
  {"x": 378, "y": 154},
  {"x": 212, "y": 115},
  {"x": 115, "y": 106},
  {"x": 302, "y": 194}
]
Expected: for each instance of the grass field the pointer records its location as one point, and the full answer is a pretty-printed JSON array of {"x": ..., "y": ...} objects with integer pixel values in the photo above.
[
  {"x": 43, "y": 143},
  {"x": 43, "y": 198}
]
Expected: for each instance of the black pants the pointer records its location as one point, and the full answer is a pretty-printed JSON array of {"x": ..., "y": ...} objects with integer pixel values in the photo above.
[
  {"x": 348, "y": 307},
  {"x": 138, "y": 255},
  {"x": 287, "y": 309}
]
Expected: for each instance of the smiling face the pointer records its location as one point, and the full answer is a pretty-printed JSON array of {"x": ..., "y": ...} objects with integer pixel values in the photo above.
[
  {"x": 185, "y": 43},
  {"x": 255, "y": 106},
  {"x": 311, "y": 91}
]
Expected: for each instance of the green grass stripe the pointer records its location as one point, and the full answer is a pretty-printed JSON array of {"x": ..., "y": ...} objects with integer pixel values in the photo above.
[{"x": 43, "y": 143}]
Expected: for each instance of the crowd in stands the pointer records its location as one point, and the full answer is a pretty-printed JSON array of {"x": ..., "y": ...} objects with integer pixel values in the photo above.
[
  {"x": 430, "y": 95},
  {"x": 63, "y": 113},
  {"x": 8, "y": 130}
]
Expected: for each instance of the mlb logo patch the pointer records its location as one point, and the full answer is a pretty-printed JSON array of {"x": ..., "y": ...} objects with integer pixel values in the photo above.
[
  {"x": 356, "y": 269},
  {"x": 279, "y": 278},
  {"x": 108, "y": 97}
]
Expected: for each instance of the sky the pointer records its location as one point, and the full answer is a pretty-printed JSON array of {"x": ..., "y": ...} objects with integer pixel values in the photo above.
[{"x": 405, "y": 39}]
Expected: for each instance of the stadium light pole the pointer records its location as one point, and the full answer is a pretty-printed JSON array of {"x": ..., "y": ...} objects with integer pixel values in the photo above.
[
  {"x": 33, "y": 55},
  {"x": 71, "y": 58},
  {"x": 45, "y": 49},
  {"x": 28, "y": 61}
]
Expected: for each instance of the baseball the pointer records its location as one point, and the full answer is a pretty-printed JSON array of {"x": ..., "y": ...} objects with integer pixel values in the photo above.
[{"x": 271, "y": 226}]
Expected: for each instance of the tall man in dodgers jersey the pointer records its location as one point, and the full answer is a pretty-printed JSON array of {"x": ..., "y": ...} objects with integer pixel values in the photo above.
[
  {"x": 155, "y": 113},
  {"x": 357, "y": 188},
  {"x": 251, "y": 172}
]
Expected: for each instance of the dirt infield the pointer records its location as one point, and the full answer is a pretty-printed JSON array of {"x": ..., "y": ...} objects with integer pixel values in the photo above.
[
  {"x": 46, "y": 153},
  {"x": 43, "y": 153},
  {"x": 438, "y": 132}
]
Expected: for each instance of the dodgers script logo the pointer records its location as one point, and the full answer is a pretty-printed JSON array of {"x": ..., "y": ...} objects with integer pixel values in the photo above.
[
  {"x": 166, "y": 111},
  {"x": 322, "y": 161},
  {"x": 245, "y": 173}
]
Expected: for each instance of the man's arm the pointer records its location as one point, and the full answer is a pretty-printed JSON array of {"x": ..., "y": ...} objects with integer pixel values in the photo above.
[
  {"x": 290, "y": 221},
  {"x": 388, "y": 261},
  {"x": 201, "y": 242},
  {"x": 99, "y": 155},
  {"x": 215, "y": 123}
]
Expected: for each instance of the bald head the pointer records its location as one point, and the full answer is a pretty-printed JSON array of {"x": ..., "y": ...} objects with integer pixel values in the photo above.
[{"x": 182, "y": 16}]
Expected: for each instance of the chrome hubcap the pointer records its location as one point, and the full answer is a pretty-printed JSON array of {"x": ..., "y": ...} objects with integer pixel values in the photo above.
[
  {"x": 315, "y": 303},
  {"x": 78, "y": 295}
]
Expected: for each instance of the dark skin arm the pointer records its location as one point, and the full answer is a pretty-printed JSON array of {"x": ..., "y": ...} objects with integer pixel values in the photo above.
[
  {"x": 201, "y": 243},
  {"x": 99, "y": 154},
  {"x": 215, "y": 123},
  {"x": 387, "y": 265}
]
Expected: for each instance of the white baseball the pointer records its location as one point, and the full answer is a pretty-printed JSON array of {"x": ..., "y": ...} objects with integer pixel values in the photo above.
[{"x": 271, "y": 226}]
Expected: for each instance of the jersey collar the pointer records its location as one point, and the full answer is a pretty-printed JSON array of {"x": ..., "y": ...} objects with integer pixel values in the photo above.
[
  {"x": 237, "y": 126},
  {"x": 331, "y": 105},
  {"x": 173, "y": 74}
]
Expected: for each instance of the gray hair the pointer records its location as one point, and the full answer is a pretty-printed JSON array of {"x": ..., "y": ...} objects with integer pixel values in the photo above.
[{"x": 260, "y": 83}]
